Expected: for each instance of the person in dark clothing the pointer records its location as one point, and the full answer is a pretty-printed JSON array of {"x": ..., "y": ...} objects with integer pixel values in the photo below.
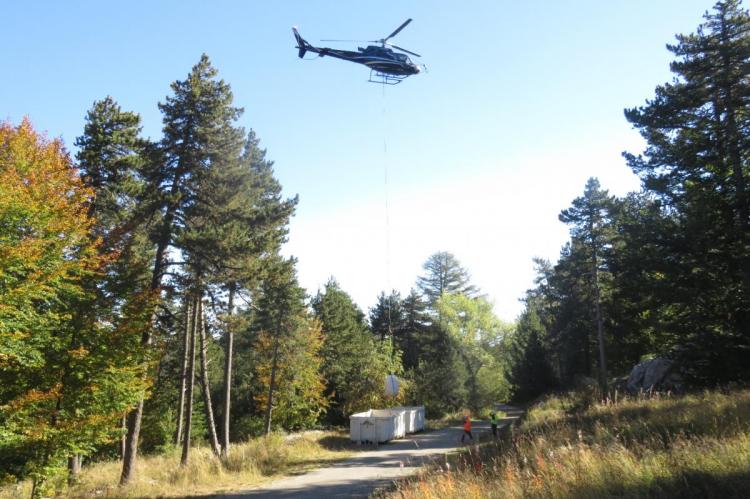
[{"x": 493, "y": 422}]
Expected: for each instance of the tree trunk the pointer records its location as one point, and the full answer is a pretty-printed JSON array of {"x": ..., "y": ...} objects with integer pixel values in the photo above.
[
  {"x": 600, "y": 332},
  {"x": 190, "y": 388},
  {"x": 228, "y": 376},
  {"x": 274, "y": 363},
  {"x": 136, "y": 415},
  {"x": 204, "y": 383},
  {"x": 74, "y": 467},
  {"x": 123, "y": 438},
  {"x": 183, "y": 379}
]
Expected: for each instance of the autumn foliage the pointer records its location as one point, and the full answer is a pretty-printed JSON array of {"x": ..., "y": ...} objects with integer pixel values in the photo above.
[{"x": 64, "y": 379}]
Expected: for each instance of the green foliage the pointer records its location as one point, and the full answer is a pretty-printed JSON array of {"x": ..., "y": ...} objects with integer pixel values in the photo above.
[
  {"x": 452, "y": 342},
  {"x": 474, "y": 332},
  {"x": 110, "y": 156},
  {"x": 412, "y": 335},
  {"x": 354, "y": 363},
  {"x": 444, "y": 275},
  {"x": 695, "y": 167},
  {"x": 441, "y": 385},
  {"x": 288, "y": 344},
  {"x": 387, "y": 317},
  {"x": 669, "y": 267},
  {"x": 65, "y": 378},
  {"x": 531, "y": 373}
]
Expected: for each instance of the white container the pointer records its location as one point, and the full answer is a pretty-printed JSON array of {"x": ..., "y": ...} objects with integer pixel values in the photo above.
[
  {"x": 382, "y": 425},
  {"x": 399, "y": 420},
  {"x": 413, "y": 418},
  {"x": 355, "y": 426},
  {"x": 420, "y": 418},
  {"x": 377, "y": 425},
  {"x": 410, "y": 418}
]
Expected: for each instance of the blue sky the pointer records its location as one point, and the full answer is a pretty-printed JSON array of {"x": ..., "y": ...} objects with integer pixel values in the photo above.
[{"x": 522, "y": 103}]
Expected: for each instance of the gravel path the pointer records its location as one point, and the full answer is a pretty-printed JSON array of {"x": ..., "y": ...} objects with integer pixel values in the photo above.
[{"x": 360, "y": 475}]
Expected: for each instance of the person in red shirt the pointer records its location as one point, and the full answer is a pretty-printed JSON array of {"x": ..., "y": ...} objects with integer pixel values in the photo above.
[{"x": 467, "y": 429}]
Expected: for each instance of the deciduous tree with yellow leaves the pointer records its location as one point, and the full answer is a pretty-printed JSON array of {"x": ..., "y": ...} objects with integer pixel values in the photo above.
[{"x": 65, "y": 377}]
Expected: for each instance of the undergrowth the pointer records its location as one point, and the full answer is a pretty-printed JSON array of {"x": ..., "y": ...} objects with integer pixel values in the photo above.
[
  {"x": 573, "y": 446},
  {"x": 249, "y": 464}
]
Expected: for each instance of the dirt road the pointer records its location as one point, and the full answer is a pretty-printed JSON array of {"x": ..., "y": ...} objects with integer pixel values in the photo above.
[{"x": 371, "y": 469}]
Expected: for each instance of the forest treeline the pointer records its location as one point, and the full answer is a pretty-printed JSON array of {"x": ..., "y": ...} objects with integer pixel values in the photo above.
[
  {"x": 145, "y": 304},
  {"x": 664, "y": 271}
]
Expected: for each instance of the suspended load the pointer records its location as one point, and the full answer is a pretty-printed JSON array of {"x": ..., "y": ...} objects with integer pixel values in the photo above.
[{"x": 391, "y": 385}]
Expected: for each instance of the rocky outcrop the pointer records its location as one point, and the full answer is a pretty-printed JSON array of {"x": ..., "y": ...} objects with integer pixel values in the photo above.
[{"x": 657, "y": 374}]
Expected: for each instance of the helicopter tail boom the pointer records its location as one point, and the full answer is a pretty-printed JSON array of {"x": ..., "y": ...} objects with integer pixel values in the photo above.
[{"x": 302, "y": 45}]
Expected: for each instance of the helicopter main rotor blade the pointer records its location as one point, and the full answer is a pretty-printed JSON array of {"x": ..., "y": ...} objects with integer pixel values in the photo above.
[
  {"x": 403, "y": 50},
  {"x": 329, "y": 40},
  {"x": 397, "y": 30}
]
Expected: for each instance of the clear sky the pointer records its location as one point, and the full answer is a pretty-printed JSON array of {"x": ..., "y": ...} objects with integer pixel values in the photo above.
[{"x": 522, "y": 103}]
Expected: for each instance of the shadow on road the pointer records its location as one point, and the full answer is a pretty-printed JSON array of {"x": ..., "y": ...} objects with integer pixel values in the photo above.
[{"x": 373, "y": 468}]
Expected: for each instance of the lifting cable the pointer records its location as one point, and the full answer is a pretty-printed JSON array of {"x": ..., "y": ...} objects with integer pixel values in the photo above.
[{"x": 387, "y": 223}]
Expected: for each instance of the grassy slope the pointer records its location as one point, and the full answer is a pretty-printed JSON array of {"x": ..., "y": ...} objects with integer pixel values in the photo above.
[
  {"x": 689, "y": 446},
  {"x": 248, "y": 465}
]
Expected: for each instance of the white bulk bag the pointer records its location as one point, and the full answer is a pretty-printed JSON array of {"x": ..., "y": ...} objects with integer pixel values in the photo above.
[{"x": 391, "y": 385}]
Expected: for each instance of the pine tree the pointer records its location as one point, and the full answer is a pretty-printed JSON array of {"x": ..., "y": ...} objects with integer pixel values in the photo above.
[
  {"x": 643, "y": 254},
  {"x": 386, "y": 317},
  {"x": 590, "y": 224},
  {"x": 199, "y": 136},
  {"x": 696, "y": 130},
  {"x": 413, "y": 334},
  {"x": 444, "y": 274},
  {"x": 354, "y": 365},
  {"x": 251, "y": 224},
  {"x": 531, "y": 372},
  {"x": 111, "y": 154}
]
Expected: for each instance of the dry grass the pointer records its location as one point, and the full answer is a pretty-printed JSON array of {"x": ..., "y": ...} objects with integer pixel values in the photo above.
[
  {"x": 690, "y": 446},
  {"x": 249, "y": 464}
]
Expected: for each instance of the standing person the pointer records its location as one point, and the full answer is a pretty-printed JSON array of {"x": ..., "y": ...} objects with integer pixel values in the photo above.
[
  {"x": 493, "y": 422},
  {"x": 467, "y": 429}
]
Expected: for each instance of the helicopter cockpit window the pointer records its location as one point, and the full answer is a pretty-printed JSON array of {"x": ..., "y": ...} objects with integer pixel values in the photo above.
[{"x": 401, "y": 57}]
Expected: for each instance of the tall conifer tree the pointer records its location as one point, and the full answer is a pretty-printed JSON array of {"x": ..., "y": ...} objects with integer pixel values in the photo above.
[
  {"x": 696, "y": 128},
  {"x": 589, "y": 219}
]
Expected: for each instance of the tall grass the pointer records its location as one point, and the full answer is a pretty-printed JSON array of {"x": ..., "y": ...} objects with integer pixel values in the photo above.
[
  {"x": 249, "y": 464},
  {"x": 690, "y": 446}
]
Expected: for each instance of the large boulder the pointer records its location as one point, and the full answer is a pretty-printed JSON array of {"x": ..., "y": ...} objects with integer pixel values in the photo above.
[{"x": 654, "y": 375}]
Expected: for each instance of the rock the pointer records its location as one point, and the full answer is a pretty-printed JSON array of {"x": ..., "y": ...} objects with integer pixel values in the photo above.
[
  {"x": 585, "y": 383},
  {"x": 656, "y": 374}
]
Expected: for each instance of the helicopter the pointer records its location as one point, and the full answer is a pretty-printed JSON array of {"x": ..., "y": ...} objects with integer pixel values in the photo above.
[{"x": 386, "y": 65}]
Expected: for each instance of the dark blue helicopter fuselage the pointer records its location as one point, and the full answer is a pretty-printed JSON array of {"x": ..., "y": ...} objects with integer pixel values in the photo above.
[{"x": 380, "y": 59}]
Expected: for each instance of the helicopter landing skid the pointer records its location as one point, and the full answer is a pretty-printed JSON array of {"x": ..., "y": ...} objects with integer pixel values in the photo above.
[{"x": 385, "y": 79}]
